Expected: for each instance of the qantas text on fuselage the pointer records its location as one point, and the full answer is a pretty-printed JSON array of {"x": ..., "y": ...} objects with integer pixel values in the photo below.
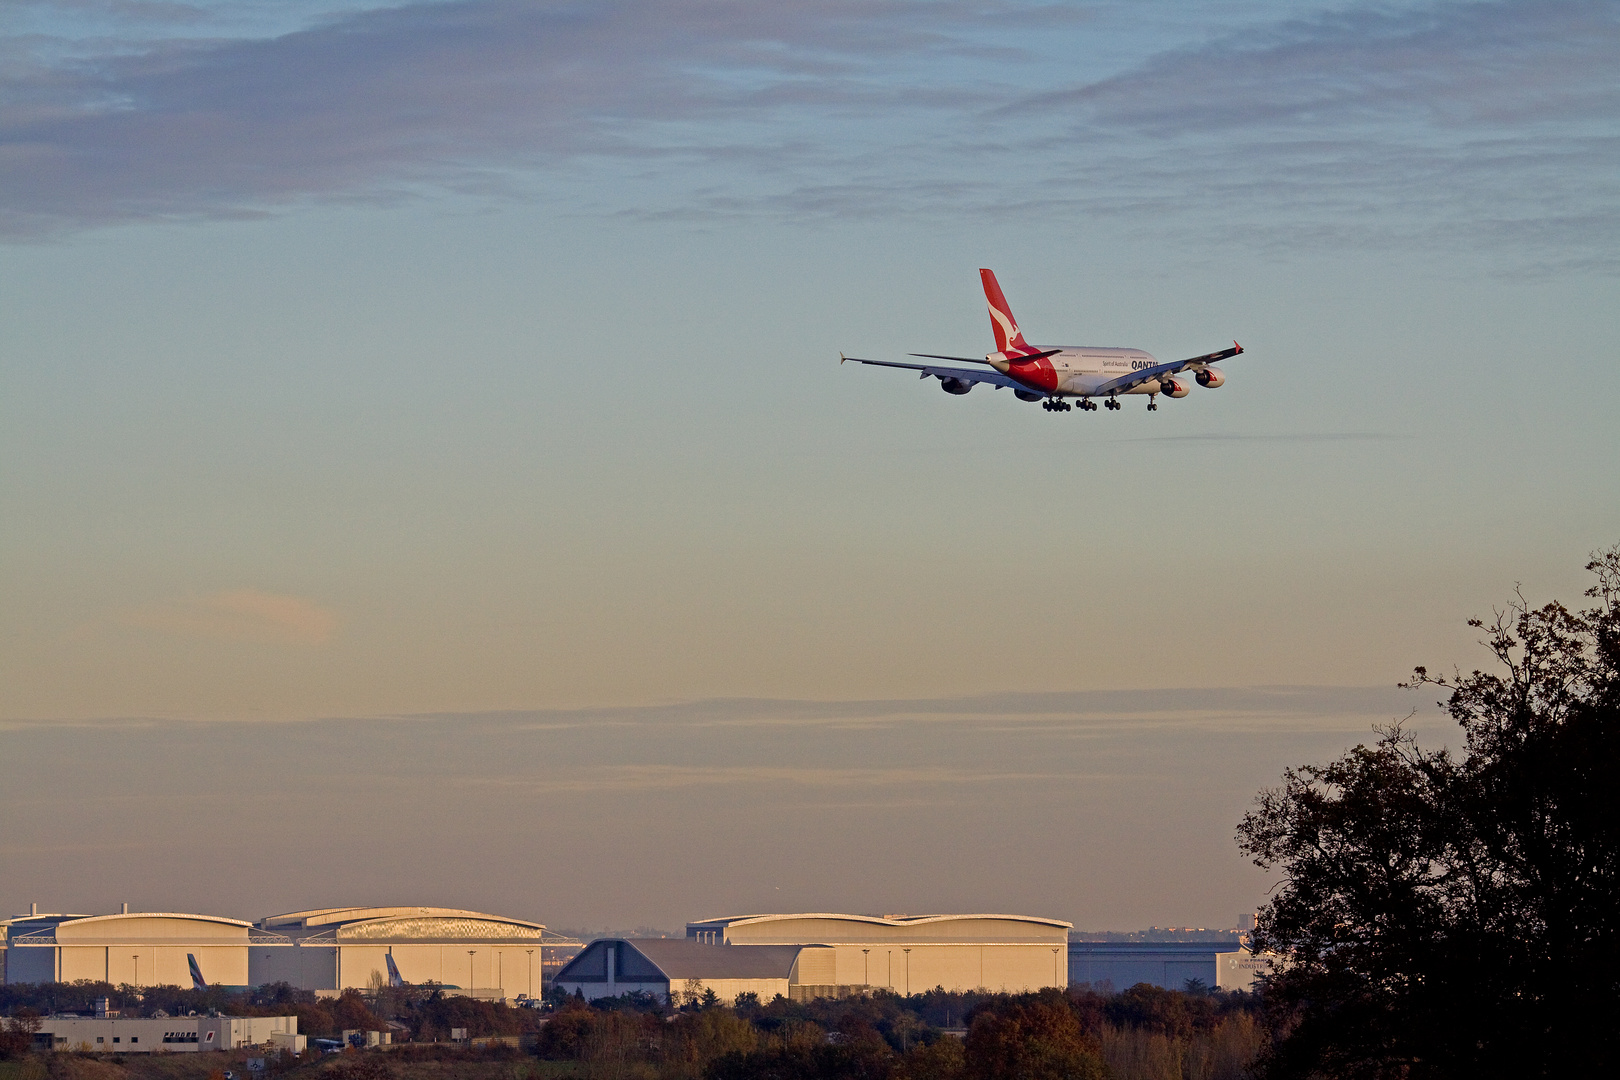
[{"x": 1054, "y": 375}]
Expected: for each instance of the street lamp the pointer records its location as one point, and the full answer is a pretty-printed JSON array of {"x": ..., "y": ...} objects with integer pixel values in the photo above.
[
  {"x": 531, "y": 972},
  {"x": 908, "y": 971},
  {"x": 470, "y": 971},
  {"x": 137, "y": 958},
  {"x": 866, "y": 967},
  {"x": 1056, "y": 979}
]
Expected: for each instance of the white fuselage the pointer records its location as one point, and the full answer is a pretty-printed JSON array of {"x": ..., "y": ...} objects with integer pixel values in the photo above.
[{"x": 1080, "y": 368}]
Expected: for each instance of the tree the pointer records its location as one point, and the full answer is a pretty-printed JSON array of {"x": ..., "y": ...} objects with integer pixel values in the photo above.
[
  {"x": 1447, "y": 915},
  {"x": 1031, "y": 1039},
  {"x": 17, "y": 1033}
]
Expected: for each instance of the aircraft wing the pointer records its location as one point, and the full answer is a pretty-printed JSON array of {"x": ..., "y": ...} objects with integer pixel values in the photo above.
[
  {"x": 967, "y": 375},
  {"x": 1137, "y": 378}
]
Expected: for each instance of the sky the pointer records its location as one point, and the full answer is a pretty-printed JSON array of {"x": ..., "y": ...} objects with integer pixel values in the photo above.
[{"x": 427, "y": 476}]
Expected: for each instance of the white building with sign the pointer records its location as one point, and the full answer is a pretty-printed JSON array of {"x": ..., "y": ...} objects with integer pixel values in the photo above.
[{"x": 168, "y": 1034}]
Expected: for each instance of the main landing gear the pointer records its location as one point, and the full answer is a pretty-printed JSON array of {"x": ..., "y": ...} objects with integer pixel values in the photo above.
[
  {"x": 1112, "y": 403},
  {"x": 1087, "y": 405},
  {"x": 1054, "y": 405}
]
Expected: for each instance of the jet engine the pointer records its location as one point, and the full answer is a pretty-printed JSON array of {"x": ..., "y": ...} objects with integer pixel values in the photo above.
[
  {"x": 1210, "y": 377},
  {"x": 1027, "y": 395},
  {"x": 1172, "y": 389},
  {"x": 955, "y": 386}
]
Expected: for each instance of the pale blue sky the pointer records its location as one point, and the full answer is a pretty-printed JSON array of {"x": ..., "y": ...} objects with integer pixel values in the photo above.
[{"x": 369, "y": 361}]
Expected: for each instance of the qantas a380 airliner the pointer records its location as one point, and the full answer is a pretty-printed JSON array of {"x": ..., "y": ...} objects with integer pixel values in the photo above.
[{"x": 1069, "y": 371}]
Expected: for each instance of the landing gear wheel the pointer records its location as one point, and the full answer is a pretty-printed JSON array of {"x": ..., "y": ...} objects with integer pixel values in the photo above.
[{"x": 1153, "y": 407}]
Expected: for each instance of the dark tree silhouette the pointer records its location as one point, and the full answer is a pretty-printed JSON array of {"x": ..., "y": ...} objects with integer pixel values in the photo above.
[{"x": 1450, "y": 915}]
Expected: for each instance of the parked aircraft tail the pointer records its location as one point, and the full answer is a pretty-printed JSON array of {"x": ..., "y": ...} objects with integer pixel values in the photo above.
[
  {"x": 1009, "y": 339},
  {"x": 394, "y": 977},
  {"x": 197, "y": 980}
]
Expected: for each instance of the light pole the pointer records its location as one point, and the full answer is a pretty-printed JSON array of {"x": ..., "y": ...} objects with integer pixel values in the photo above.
[
  {"x": 470, "y": 971},
  {"x": 866, "y": 967},
  {"x": 908, "y": 971},
  {"x": 530, "y": 978},
  {"x": 137, "y": 958},
  {"x": 1056, "y": 980}
]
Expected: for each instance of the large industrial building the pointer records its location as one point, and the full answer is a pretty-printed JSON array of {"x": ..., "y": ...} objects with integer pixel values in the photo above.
[
  {"x": 908, "y": 953},
  {"x": 668, "y": 968},
  {"x": 327, "y": 950},
  {"x": 330, "y": 950},
  {"x": 1116, "y": 965},
  {"x": 829, "y": 955},
  {"x": 134, "y": 948}
]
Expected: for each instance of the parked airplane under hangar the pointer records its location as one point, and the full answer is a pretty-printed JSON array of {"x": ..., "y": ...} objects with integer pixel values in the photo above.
[{"x": 329, "y": 950}]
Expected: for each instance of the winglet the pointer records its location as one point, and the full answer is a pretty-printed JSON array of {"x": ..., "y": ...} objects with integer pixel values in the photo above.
[
  {"x": 1235, "y": 345},
  {"x": 842, "y": 357}
]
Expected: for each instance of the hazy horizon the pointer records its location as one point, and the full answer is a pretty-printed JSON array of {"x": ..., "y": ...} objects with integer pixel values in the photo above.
[{"x": 1112, "y": 810}]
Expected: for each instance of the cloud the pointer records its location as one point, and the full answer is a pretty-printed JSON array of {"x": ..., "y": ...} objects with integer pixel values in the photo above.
[
  {"x": 1449, "y": 65},
  {"x": 374, "y": 103},
  {"x": 241, "y": 615},
  {"x": 1484, "y": 124},
  {"x": 1236, "y": 708},
  {"x": 674, "y": 777}
]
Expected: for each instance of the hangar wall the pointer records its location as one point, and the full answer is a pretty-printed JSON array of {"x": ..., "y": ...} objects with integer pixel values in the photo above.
[
  {"x": 141, "y": 949},
  {"x": 335, "y": 949},
  {"x": 911, "y": 953}
]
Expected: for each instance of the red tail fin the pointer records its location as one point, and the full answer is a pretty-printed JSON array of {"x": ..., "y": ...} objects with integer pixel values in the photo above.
[{"x": 1009, "y": 339}]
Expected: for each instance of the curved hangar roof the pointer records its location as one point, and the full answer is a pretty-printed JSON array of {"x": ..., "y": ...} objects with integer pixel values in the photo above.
[
  {"x": 145, "y": 928},
  {"x": 826, "y": 928},
  {"x": 397, "y": 925}
]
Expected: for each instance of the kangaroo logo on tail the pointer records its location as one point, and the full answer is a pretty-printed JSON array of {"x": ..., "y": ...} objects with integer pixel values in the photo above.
[{"x": 1009, "y": 339}]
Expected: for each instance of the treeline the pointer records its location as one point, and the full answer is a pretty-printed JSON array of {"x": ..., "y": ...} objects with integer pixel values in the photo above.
[
  {"x": 421, "y": 1014},
  {"x": 1144, "y": 1033}
]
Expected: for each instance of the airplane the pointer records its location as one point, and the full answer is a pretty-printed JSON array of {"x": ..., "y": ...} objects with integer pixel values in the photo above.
[
  {"x": 394, "y": 977},
  {"x": 1067, "y": 371},
  {"x": 197, "y": 980}
]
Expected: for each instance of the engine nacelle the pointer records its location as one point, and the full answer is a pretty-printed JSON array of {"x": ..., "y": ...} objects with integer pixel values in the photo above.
[
  {"x": 955, "y": 386},
  {"x": 1027, "y": 395},
  {"x": 1210, "y": 377},
  {"x": 1172, "y": 389}
]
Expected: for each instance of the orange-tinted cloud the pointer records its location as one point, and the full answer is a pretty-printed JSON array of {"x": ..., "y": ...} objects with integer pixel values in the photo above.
[{"x": 240, "y": 614}]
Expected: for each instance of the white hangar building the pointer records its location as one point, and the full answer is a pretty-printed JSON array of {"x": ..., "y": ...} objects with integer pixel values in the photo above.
[
  {"x": 137, "y": 948},
  {"x": 908, "y": 954},
  {"x": 669, "y": 967},
  {"x": 168, "y": 1035},
  {"x": 826, "y": 955},
  {"x": 329, "y": 950}
]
